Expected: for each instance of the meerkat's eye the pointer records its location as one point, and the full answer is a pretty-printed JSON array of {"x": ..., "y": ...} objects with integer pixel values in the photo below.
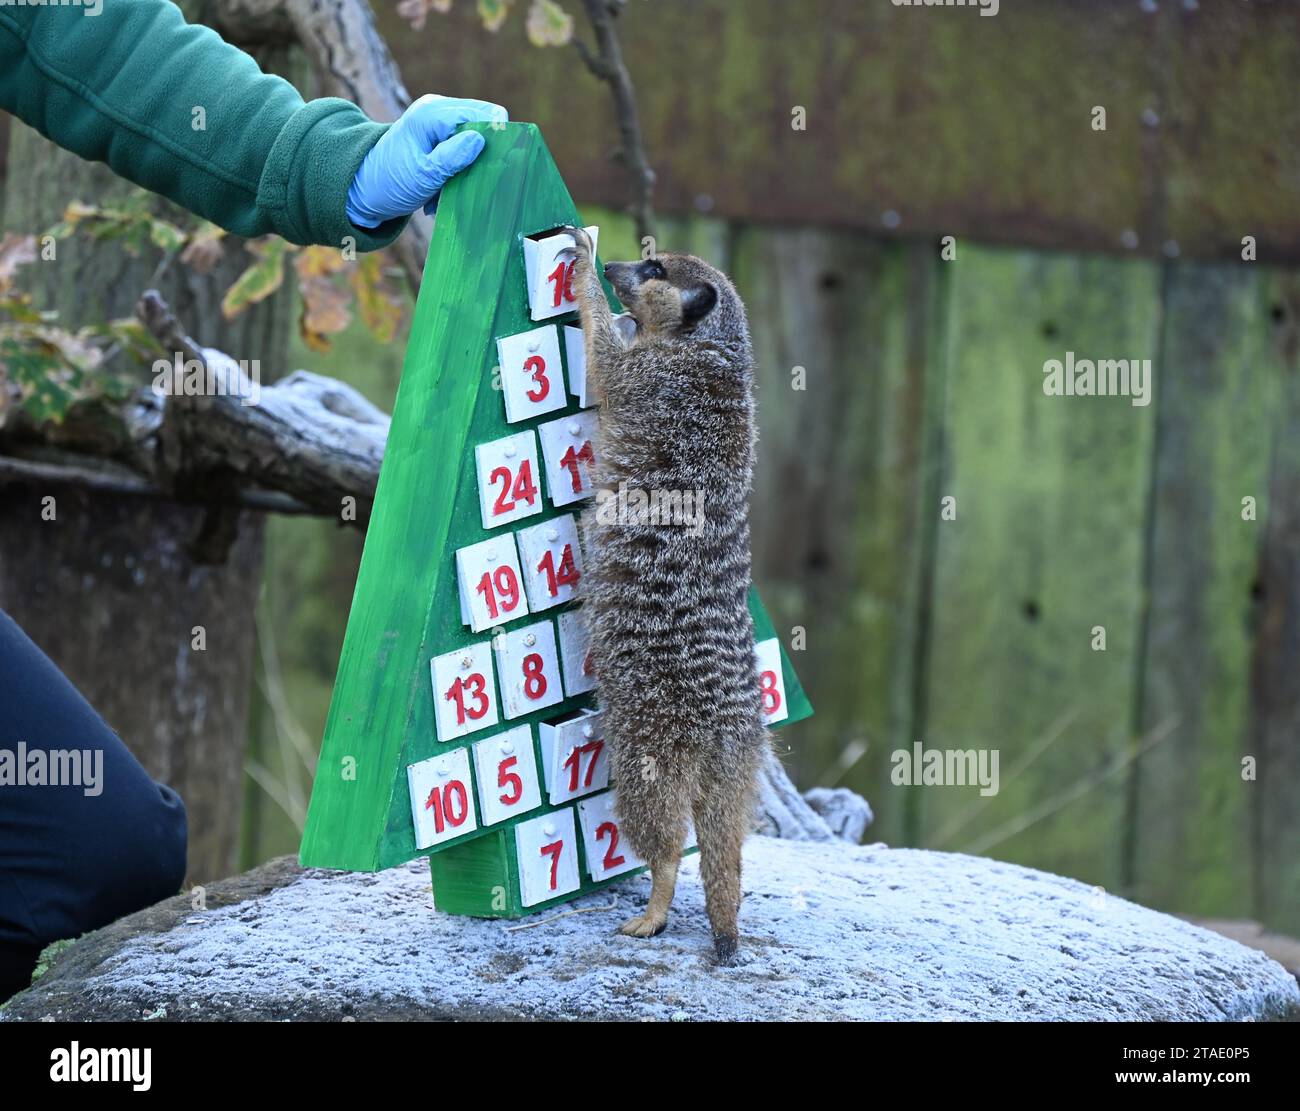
[{"x": 653, "y": 269}]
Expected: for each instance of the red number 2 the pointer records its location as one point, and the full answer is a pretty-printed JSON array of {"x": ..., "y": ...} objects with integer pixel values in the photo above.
[{"x": 610, "y": 830}]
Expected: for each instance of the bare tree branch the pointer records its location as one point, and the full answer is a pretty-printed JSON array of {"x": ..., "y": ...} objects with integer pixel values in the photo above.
[
  {"x": 108, "y": 480},
  {"x": 606, "y": 62}
]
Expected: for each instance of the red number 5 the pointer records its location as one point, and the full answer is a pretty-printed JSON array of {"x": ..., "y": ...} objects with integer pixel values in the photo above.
[{"x": 508, "y": 778}]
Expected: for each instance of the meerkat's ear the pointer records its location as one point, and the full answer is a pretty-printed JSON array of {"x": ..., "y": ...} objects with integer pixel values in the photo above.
[{"x": 697, "y": 301}]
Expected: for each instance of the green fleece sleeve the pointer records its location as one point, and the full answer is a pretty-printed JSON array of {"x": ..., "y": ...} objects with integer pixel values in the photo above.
[{"x": 171, "y": 106}]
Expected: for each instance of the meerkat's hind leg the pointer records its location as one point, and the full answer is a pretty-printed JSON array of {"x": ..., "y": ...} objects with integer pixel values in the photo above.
[
  {"x": 652, "y": 804},
  {"x": 723, "y": 815},
  {"x": 654, "y": 920}
]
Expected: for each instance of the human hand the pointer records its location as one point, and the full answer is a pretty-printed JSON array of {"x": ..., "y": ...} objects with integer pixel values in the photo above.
[{"x": 416, "y": 157}]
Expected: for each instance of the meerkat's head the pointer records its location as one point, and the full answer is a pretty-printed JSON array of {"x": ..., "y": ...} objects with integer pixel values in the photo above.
[{"x": 674, "y": 297}]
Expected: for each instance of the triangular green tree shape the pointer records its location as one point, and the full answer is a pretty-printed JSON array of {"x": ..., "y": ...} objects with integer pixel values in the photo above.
[{"x": 464, "y": 724}]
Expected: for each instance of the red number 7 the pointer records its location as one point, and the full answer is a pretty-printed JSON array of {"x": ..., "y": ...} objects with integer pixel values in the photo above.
[{"x": 553, "y": 850}]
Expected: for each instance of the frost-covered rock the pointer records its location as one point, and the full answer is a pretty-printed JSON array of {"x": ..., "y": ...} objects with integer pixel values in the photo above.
[
  {"x": 846, "y": 812},
  {"x": 829, "y": 931}
]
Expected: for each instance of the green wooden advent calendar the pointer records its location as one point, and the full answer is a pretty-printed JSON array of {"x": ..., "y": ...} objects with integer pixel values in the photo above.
[{"x": 463, "y": 724}]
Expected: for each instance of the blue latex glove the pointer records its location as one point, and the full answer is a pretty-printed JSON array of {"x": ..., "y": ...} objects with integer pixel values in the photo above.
[{"x": 416, "y": 157}]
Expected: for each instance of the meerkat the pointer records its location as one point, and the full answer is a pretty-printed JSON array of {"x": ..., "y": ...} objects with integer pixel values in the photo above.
[{"x": 672, "y": 638}]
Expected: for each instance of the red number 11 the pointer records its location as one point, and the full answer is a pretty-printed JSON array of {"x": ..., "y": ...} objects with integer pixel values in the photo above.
[{"x": 572, "y": 458}]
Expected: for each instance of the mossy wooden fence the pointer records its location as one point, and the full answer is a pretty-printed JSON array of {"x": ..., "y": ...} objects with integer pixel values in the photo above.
[{"x": 924, "y": 380}]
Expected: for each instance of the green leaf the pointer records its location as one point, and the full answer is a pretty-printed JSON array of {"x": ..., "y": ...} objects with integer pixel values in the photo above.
[
  {"x": 381, "y": 308},
  {"x": 549, "y": 24},
  {"x": 166, "y": 235},
  {"x": 261, "y": 279},
  {"x": 493, "y": 13}
]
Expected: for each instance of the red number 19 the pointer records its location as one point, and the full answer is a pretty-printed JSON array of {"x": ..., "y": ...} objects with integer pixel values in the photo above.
[{"x": 502, "y": 582}]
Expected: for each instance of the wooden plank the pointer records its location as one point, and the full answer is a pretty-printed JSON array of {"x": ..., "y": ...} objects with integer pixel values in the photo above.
[
  {"x": 1275, "y": 687},
  {"x": 1048, "y": 543},
  {"x": 953, "y": 122},
  {"x": 1215, "y": 411},
  {"x": 476, "y": 878},
  {"x": 838, "y": 517}
]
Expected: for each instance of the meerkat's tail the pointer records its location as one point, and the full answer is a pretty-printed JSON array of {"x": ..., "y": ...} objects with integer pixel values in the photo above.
[{"x": 724, "y": 809}]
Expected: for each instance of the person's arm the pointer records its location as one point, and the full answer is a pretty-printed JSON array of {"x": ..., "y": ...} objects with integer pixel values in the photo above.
[{"x": 174, "y": 108}]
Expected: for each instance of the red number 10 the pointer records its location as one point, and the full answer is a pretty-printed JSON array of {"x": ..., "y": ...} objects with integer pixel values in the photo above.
[
  {"x": 562, "y": 276},
  {"x": 450, "y": 805}
]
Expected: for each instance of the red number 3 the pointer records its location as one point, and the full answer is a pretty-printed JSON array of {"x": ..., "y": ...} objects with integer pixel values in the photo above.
[{"x": 536, "y": 366}]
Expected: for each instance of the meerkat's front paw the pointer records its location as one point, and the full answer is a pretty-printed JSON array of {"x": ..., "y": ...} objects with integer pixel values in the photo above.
[
  {"x": 581, "y": 249},
  {"x": 645, "y": 925}
]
